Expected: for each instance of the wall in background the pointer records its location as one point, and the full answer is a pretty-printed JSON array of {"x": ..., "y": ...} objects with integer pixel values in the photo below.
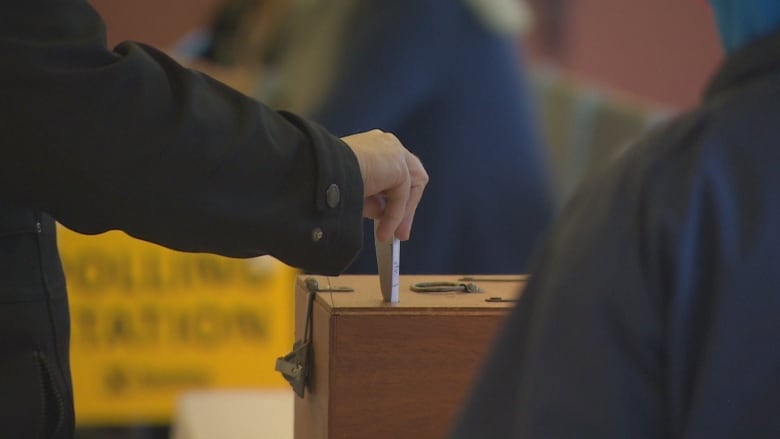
[
  {"x": 659, "y": 50},
  {"x": 155, "y": 22}
]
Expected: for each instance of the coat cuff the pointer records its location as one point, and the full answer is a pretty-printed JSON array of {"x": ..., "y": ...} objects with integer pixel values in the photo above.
[{"x": 336, "y": 228}]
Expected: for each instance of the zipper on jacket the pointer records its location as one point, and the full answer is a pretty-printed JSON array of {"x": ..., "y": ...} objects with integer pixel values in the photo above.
[
  {"x": 48, "y": 386},
  {"x": 45, "y": 280},
  {"x": 52, "y": 323}
]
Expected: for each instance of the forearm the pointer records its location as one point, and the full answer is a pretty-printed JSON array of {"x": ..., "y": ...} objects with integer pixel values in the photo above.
[{"x": 130, "y": 140}]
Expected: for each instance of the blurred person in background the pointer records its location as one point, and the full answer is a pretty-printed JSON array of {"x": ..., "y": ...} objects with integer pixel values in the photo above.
[
  {"x": 446, "y": 76},
  {"x": 653, "y": 307},
  {"x": 128, "y": 139}
]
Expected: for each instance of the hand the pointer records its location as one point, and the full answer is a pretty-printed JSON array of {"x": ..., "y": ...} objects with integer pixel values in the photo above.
[{"x": 393, "y": 182}]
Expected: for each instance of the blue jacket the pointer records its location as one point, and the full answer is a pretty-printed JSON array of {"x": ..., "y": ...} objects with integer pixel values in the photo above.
[
  {"x": 454, "y": 93},
  {"x": 653, "y": 310}
]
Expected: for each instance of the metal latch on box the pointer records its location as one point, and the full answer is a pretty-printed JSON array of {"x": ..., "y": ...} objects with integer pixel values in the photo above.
[{"x": 295, "y": 366}]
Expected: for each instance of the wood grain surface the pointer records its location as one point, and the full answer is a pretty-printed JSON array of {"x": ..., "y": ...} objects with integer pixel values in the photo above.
[{"x": 393, "y": 371}]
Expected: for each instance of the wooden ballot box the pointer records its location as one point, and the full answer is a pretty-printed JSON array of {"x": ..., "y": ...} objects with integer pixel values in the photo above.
[{"x": 379, "y": 370}]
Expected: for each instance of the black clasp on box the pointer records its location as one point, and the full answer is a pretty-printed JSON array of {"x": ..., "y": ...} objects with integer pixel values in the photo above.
[{"x": 295, "y": 366}]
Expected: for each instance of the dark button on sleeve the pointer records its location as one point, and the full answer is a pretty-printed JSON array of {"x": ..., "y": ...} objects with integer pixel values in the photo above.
[{"x": 333, "y": 196}]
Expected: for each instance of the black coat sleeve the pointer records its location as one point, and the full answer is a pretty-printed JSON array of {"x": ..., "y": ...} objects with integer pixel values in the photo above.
[{"x": 128, "y": 139}]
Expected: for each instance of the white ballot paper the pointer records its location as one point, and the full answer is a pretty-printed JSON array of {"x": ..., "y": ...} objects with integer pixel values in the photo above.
[{"x": 387, "y": 261}]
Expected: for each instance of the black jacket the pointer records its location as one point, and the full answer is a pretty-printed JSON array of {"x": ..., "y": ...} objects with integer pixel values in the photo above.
[
  {"x": 127, "y": 139},
  {"x": 654, "y": 309}
]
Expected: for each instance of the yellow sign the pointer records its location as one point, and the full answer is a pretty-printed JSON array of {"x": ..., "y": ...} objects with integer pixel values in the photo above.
[{"x": 149, "y": 323}]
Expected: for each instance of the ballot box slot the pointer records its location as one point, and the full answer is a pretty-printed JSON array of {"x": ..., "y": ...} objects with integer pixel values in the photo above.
[{"x": 445, "y": 287}]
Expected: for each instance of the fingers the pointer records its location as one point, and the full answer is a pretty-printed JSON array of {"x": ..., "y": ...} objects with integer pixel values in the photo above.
[
  {"x": 393, "y": 182},
  {"x": 395, "y": 211},
  {"x": 419, "y": 179},
  {"x": 402, "y": 202}
]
